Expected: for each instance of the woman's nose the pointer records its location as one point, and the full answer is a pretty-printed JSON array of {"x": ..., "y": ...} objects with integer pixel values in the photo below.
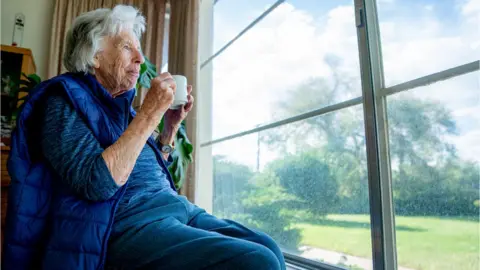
[{"x": 139, "y": 59}]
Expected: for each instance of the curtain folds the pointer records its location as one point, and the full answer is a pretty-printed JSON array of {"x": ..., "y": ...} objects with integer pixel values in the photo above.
[{"x": 183, "y": 59}]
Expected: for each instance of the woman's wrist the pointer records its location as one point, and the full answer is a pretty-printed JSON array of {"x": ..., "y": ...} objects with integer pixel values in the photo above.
[
  {"x": 167, "y": 135},
  {"x": 143, "y": 119}
]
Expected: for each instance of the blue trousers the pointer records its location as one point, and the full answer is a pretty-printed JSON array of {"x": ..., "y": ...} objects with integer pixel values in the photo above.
[{"x": 171, "y": 233}]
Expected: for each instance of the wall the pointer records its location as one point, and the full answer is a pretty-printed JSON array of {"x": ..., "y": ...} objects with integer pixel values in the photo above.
[{"x": 38, "y": 23}]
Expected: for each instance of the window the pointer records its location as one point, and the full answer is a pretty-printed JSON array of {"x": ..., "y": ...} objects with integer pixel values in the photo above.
[
  {"x": 309, "y": 194},
  {"x": 423, "y": 37},
  {"x": 348, "y": 133},
  {"x": 245, "y": 12},
  {"x": 295, "y": 50},
  {"x": 434, "y": 131},
  {"x": 434, "y": 147},
  {"x": 166, "y": 36}
]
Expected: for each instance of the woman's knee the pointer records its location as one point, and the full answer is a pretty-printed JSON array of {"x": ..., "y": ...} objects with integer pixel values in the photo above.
[
  {"x": 267, "y": 241},
  {"x": 259, "y": 258}
]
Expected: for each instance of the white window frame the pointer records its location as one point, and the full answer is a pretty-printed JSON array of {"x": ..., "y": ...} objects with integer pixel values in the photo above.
[{"x": 374, "y": 95}]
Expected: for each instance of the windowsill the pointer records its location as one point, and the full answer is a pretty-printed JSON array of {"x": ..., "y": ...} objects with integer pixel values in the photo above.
[
  {"x": 295, "y": 262},
  {"x": 291, "y": 266},
  {"x": 294, "y": 267}
]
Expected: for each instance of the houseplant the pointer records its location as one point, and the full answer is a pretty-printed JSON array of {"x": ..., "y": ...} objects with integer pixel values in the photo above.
[{"x": 27, "y": 83}]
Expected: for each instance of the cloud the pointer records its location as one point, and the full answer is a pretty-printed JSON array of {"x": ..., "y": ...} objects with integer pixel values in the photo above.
[
  {"x": 468, "y": 145},
  {"x": 471, "y": 8},
  {"x": 279, "y": 54},
  {"x": 415, "y": 47},
  {"x": 290, "y": 45}
]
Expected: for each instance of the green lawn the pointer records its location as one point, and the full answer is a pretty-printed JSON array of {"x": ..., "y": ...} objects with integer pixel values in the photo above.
[{"x": 423, "y": 243}]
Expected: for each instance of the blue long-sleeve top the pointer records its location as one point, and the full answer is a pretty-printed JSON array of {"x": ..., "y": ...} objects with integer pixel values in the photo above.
[{"x": 75, "y": 155}]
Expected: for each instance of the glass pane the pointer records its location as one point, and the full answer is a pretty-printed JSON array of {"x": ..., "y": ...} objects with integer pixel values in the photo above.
[
  {"x": 434, "y": 147},
  {"x": 301, "y": 57},
  {"x": 422, "y": 37},
  {"x": 305, "y": 184},
  {"x": 230, "y": 17}
]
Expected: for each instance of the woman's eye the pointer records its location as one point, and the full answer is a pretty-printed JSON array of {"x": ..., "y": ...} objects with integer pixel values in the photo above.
[{"x": 126, "y": 47}]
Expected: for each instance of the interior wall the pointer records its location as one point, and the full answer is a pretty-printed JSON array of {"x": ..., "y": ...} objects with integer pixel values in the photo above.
[{"x": 38, "y": 24}]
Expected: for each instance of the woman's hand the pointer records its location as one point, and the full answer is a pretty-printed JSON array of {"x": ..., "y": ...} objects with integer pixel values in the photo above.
[
  {"x": 173, "y": 118},
  {"x": 159, "y": 97}
]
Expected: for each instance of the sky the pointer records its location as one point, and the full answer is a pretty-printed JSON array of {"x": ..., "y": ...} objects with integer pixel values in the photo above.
[{"x": 292, "y": 43}]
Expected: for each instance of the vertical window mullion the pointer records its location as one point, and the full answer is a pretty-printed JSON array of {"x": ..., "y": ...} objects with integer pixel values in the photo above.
[
  {"x": 376, "y": 133},
  {"x": 374, "y": 43}
]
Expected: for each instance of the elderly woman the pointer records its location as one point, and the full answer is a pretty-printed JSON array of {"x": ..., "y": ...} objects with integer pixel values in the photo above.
[{"x": 90, "y": 187}]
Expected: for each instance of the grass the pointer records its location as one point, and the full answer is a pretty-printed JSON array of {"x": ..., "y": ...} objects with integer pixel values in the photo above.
[{"x": 423, "y": 243}]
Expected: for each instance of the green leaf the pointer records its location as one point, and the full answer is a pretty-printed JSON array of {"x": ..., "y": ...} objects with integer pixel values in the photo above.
[
  {"x": 143, "y": 68},
  {"x": 160, "y": 126},
  {"x": 28, "y": 84},
  {"x": 35, "y": 78},
  {"x": 144, "y": 80},
  {"x": 150, "y": 66},
  {"x": 182, "y": 157}
]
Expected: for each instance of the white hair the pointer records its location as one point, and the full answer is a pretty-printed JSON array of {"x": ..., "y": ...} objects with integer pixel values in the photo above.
[{"x": 88, "y": 30}]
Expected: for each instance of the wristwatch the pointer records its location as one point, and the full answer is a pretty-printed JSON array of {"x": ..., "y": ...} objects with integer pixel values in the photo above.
[{"x": 167, "y": 148}]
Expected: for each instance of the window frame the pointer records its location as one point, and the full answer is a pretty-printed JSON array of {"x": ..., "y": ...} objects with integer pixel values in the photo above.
[{"x": 374, "y": 101}]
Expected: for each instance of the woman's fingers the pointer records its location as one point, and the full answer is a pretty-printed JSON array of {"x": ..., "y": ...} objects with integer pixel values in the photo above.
[
  {"x": 189, "y": 104},
  {"x": 167, "y": 81}
]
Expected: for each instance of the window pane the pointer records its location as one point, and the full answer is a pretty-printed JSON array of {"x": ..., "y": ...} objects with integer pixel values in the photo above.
[
  {"x": 305, "y": 184},
  {"x": 230, "y": 17},
  {"x": 434, "y": 147},
  {"x": 422, "y": 37},
  {"x": 302, "y": 56}
]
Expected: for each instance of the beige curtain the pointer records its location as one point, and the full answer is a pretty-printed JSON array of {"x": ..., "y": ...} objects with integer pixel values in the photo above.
[
  {"x": 67, "y": 10},
  {"x": 182, "y": 59}
]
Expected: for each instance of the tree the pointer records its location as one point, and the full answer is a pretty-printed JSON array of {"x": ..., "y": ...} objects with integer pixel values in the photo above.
[
  {"x": 449, "y": 190},
  {"x": 268, "y": 207},
  {"x": 258, "y": 201},
  {"x": 230, "y": 181},
  {"x": 307, "y": 177},
  {"x": 419, "y": 149},
  {"x": 417, "y": 131}
]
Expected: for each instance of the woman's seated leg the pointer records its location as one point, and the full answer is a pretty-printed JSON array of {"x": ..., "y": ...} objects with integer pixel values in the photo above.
[
  {"x": 202, "y": 220},
  {"x": 171, "y": 244}
]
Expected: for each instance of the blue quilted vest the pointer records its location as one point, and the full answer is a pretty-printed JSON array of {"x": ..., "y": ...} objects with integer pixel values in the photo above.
[{"x": 46, "y": 225}]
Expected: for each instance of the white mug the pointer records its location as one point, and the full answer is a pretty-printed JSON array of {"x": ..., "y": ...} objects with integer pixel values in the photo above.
[{"x": 180, "y": 98}]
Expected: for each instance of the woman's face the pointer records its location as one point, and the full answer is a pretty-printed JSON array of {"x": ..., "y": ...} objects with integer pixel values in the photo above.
[{"x": 117, "y": 64}]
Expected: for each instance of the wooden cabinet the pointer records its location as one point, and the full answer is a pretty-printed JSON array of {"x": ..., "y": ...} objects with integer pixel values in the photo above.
[{"x": 28, "y": 64}]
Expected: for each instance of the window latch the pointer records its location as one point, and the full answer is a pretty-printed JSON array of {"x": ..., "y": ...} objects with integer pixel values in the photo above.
[{"x": 359, "y": 18}]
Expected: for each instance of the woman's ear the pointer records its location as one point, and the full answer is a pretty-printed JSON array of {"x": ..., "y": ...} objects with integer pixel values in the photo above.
[{"x": 96, "y": 61}]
